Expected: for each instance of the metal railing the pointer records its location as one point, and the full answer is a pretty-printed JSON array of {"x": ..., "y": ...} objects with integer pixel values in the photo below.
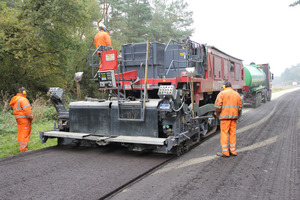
[{"x": 192, "y": 52}]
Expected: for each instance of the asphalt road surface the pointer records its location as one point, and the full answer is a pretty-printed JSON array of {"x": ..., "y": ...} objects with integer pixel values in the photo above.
[{"x": 267, "y": 166}]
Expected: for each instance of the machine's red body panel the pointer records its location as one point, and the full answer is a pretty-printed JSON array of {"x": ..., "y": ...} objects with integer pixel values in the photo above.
[{"x": 109, "y": 60}]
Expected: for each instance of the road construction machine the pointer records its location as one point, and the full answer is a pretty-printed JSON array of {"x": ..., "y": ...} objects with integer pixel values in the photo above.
[{"x": 160, "y": 97}]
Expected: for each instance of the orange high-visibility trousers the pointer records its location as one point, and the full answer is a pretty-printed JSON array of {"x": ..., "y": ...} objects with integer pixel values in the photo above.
[
  {"x": 228, "y": 132},
  {"x": 24, "y": 132}
]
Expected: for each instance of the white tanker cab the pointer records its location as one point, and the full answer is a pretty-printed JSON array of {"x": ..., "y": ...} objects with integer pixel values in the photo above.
[{"x": 149, "y": 107}]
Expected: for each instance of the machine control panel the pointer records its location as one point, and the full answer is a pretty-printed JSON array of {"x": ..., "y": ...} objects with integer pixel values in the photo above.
[
  {"x": 167, "y": 91},
  {"x": 106, "y": 79},
  {"x": 55, "y": 92}
]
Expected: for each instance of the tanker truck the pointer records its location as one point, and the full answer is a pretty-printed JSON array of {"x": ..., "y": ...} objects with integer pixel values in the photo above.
[{"x": 257, "y": 88}]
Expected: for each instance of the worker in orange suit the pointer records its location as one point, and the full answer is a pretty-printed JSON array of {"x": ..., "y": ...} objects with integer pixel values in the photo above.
[
  {"x": 102, "y": 38},
  {"x": 23, "y": 114},
  {"x": 228, "y": 107}
]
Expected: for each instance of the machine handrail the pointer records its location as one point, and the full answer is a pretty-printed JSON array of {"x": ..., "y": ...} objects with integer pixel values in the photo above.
[
  {"x": 173, "y": 41},
  {"x": 92, "y": 64},
  {"x": 187, "y": 58}
]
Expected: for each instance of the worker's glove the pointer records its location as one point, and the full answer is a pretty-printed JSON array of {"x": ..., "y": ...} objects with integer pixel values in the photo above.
[
  {"x": 216, "y": 114},
  {"x": 239, "y": 119},
  {"x": 240, "y": 114}
]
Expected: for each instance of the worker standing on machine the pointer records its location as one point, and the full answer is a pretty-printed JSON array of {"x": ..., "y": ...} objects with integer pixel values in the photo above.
[
  {"x": 102, "y": 38},
  {"x": 23, "y": 114},
  {"x": 228, "y": 108}
]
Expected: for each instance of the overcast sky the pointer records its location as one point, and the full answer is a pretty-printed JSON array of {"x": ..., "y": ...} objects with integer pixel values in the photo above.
[{"x": 260, "y": 31}]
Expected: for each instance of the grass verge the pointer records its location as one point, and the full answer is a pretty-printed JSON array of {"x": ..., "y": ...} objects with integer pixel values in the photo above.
[
  {"x": 9, "y": 142},
  {"x": 43, "y": 120},
  {"x": 281, "y": 88}
]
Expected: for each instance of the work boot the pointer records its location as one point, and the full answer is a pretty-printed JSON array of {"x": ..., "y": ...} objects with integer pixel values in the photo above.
[
  {"x": 232, "y": 154},
  {"x": 222, "y": 155}
]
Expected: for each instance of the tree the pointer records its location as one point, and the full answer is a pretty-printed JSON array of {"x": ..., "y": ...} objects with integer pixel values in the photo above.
[
  {"x": 141, "y": 20},
  {"x": 291, "y": 75},
  {"x": 35, "y": 38},
  {"x": 295, "y": 3},
  {"x": 170, "y": 21},
  {"x": 127, "y": 20},
  {"x": 43, "y": 43}
]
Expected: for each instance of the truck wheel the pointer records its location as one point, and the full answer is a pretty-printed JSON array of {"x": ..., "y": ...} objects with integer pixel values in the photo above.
[
  {"x": 265, "y": 98},
  {"x": 269, "y": 98},
  {"x": 259, "y": 99},
  {"x": 255, "y": 105}
]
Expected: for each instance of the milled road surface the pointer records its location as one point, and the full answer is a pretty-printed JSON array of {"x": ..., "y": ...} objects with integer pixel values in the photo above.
[{"x": 267, "y": 165}]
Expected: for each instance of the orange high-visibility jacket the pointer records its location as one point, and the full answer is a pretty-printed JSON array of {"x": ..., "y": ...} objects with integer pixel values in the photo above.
[
  {"x": 102, "y": 38},
  {"x": 228, "y": 104},
  {"x": 21, "y": 107}
]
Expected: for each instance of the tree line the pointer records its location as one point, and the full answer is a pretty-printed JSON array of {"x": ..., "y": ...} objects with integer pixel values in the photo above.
[
  {"x": 289, "y": 76},
  {"x": 43, "y": 43},
  {"x": 295, "y": 3}
]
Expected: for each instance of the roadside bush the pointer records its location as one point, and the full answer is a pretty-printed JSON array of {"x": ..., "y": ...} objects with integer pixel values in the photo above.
[
  {"x": 7, "y": 123},
  {"x": 7, "y": 119},
  {"x": 38, "y": 109},
  {"x": 50, "y": 113},
  {"x": 42, "y": 111},
  {"x": 4, "y": 104}
]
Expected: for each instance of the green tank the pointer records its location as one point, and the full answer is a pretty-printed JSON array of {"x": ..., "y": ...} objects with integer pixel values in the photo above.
[{"x": 255, "y": 77}]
